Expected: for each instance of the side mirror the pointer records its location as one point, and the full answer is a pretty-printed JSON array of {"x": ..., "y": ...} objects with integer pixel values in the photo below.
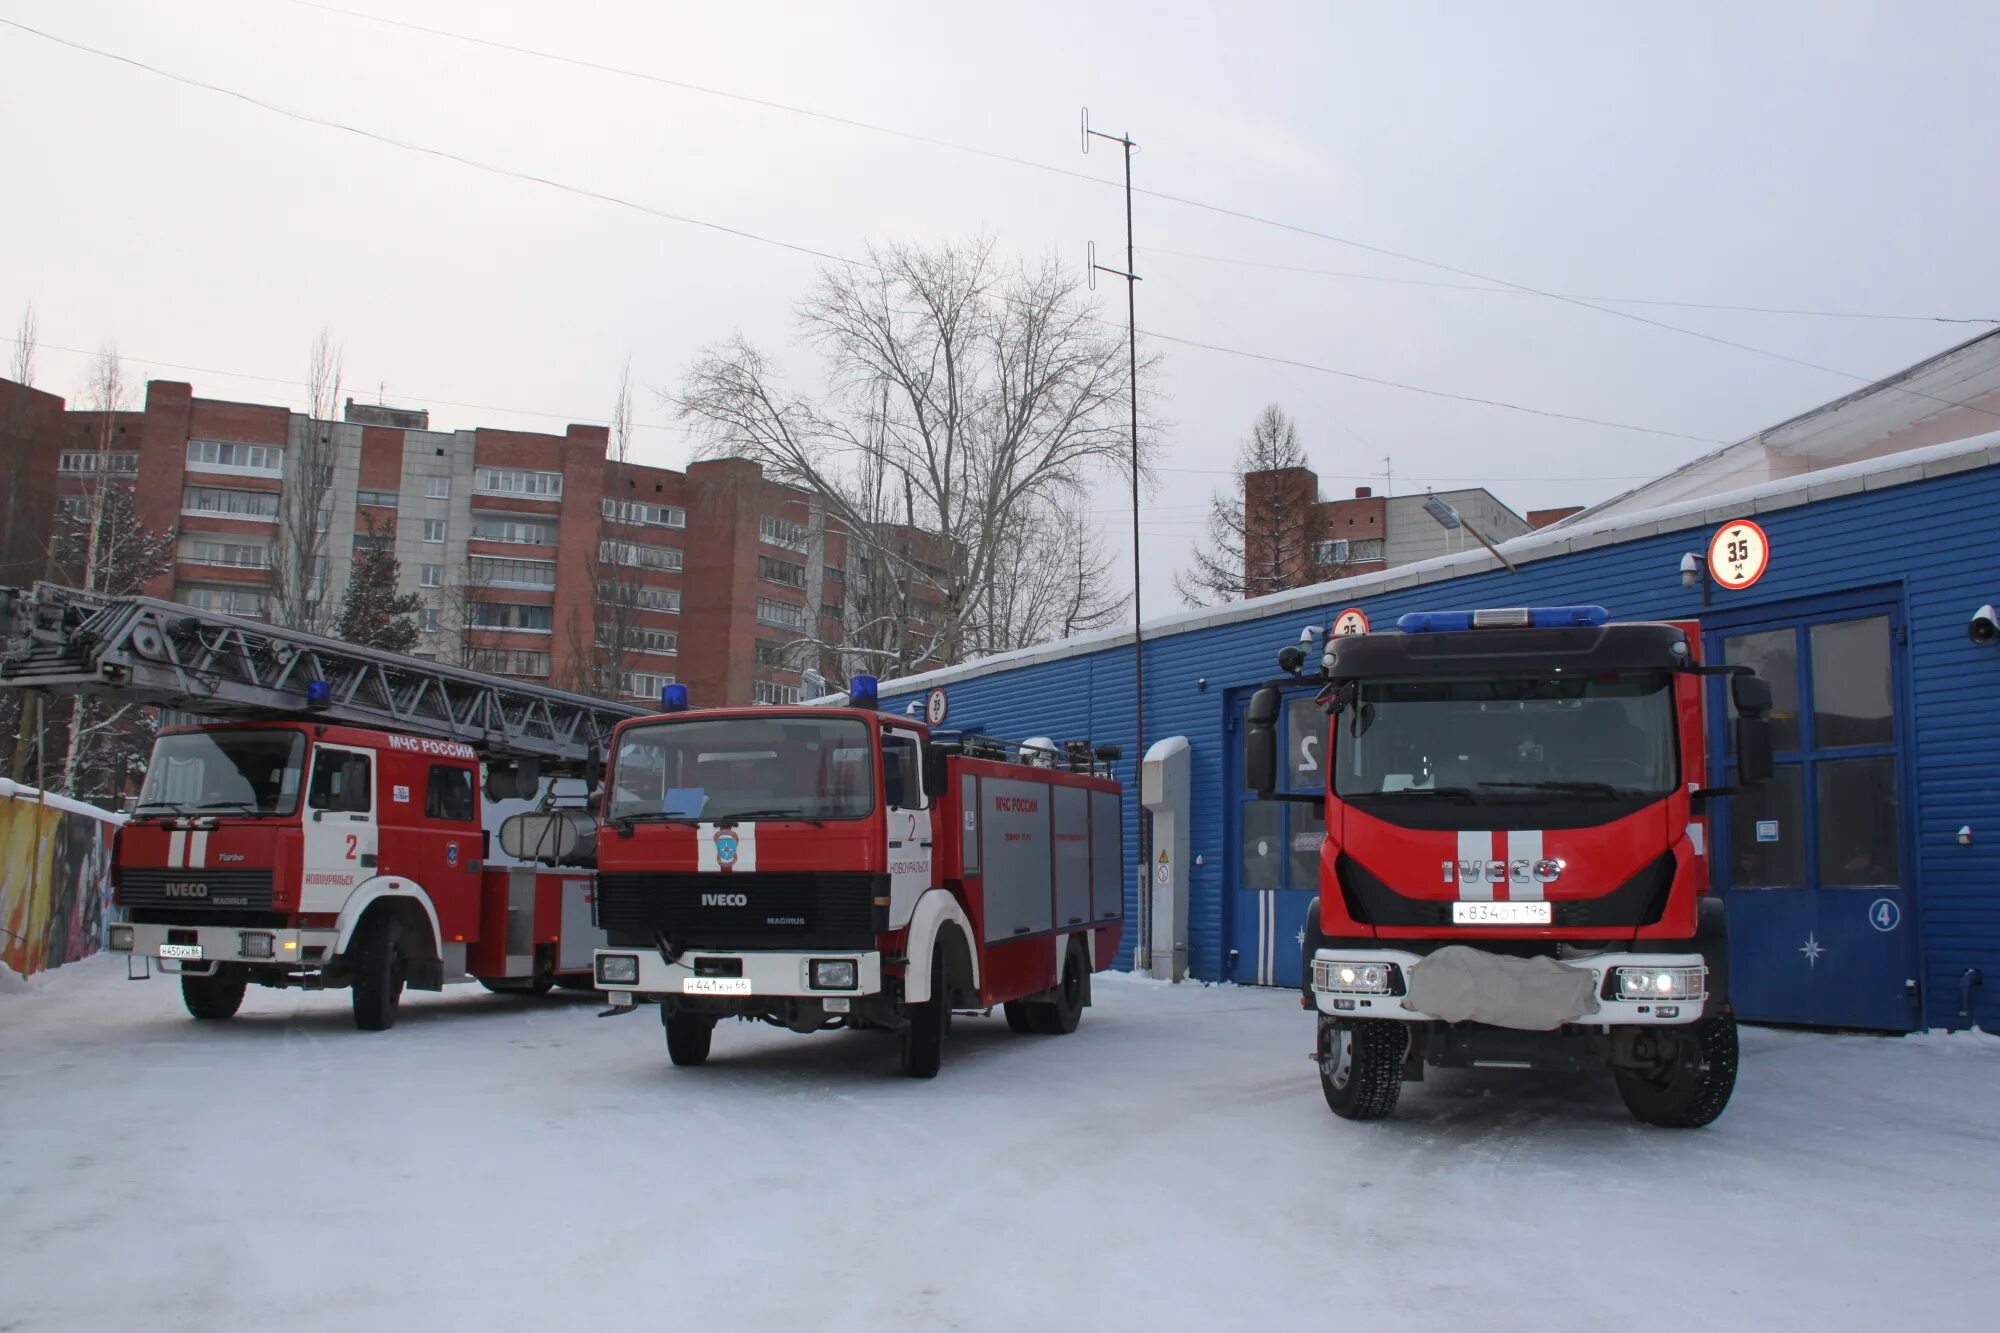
[
  {"x": 1260, "y": 741},
  {"x": 593, "y": 770},
  {"x": 1752, "y": 697},
  {"x": 1291, "y": 659}
]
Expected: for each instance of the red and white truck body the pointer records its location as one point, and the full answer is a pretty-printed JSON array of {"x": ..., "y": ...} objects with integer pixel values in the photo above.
[
  {"x": 298, "y": 853},
  {"x": 840, "y": 867},
  {"x": 1515, "y": 869}
]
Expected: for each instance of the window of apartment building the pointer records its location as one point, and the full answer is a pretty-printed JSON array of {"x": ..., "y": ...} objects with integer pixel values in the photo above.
[
  {"x": 633, "y": 555},
  {"x": 835, "y": 574},
  {"x": 504, "y": 572},
  {"x": 833, "y": 610},
  {"x": 375, "y": 541},
  {"x": 380, "y": 499},
  {"x": 517, "y": 481},
  {"x": 782, "y": 532},
  {"x": 1365, "y": 548},
  {"x": 770, "y": 654},
  {"x": 241, "y": 555},
  {"x": 510, "y": 615},
  {"x": 86, "y": 461},
  {"x": 229, "y": 601},
  {"x": 1330, "y": 553},
  {"x": 507, "y": 661},
  {"x": 642, "y": 684},
  {"x": 229, "y": 504},
  {"x": 529, "y": 530},
  {"x": 645, "y": 599},
  {"x": 73, "y": 506},
  {"x": 770, "y": 612},
  {"x": 640, "y": 640},
  {"x": 430, "y": 576},
  {"x": 652, "y": 516},
  {"x": 773, "y": 692},
  {"x": 433, "y": 529},
  {"x": 428, "y": 620},
  {"x": 437, "y": 488},
  {"x": 227, "y": 455},
  {"x": 781, "y": 571}
]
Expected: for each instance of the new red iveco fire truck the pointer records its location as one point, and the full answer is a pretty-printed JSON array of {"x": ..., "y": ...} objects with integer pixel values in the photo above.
[
  {"x": 1515, "y": 869},
  {"x": 338, "y": 828},
  {"x": 844, "y": 868}
]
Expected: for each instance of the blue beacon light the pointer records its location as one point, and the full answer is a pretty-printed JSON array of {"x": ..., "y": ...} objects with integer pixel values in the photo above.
[
  {"x": 673, "y": 698},
  {"x": 863, "y": 692},
  {"x": 319, "y": 693},
  {"x": 1512, "y": 617}
]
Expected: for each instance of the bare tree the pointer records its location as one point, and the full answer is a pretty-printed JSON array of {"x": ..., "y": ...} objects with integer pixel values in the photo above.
[
  {"x": 20, "y": 712},
  {"x": 961, "y": 394},
  {"x": 604, "y": 635},
  {"x": 102, "y": 545},
  {"x": 1058, "y": 585},
  {"x": 298, "y": 583},
  {"x": 1262, "y": 532}
]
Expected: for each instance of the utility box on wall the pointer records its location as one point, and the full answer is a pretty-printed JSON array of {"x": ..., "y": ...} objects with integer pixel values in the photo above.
[{"x": 1165, "y": 788}]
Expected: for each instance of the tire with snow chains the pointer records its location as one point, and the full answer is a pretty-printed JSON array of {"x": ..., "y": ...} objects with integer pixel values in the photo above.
[
  {"x": 688, "y": 1038},
  {"x": 213, "y": 999},
  {"x": 1361, "y": 1066},
  {"x": 1694, "y": 1087}
]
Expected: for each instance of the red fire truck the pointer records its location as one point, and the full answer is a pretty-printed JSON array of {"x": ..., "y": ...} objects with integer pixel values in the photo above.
[
  {"x": 1515, "y": 869},
  {"x": 338, "y": 829},
  {"x": 823, "y": 868}
]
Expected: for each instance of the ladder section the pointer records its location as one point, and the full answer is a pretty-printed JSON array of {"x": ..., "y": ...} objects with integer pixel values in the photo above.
[{"x": 145, "y": 651}]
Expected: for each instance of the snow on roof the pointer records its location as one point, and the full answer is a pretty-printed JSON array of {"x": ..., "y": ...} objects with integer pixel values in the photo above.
[
  {"x": 20, "y": 791},
  {"x": 1581, "y": 533}
]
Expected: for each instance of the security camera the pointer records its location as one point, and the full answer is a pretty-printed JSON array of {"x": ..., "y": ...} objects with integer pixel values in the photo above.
[
  {"x": 1690, "y": 570},
  {"x": 1985, "y": 626}
]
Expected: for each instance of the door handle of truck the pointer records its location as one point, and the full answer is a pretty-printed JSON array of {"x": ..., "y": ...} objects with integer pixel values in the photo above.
[
  {"x": 1075, "y": 920},
  {"x": 895, "y": 842},
  {"x": 1020, "y": 930},
  {"x": 368, "y": 858},
  {"x": 923, "y": 844}
]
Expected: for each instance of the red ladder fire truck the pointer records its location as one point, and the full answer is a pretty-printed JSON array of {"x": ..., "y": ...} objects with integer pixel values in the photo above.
[
  {"x": 819, "y": 868},
  {"x": 330, "y": 826},
  {"x": 1515, "y": 869}
]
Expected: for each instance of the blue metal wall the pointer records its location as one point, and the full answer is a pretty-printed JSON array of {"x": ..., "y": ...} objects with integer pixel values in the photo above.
[{"x": 1933, "y": 544}]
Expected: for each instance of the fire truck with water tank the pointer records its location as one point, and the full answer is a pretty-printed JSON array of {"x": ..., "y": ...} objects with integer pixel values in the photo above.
[
  {"x": 1515, "y": 871},
  {"x": 818, "y": 868},
  {"x": 332, "y": 827}
]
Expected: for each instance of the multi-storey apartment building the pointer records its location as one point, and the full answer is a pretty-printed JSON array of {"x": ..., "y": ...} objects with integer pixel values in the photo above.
[{"x": 533, "y": 554}]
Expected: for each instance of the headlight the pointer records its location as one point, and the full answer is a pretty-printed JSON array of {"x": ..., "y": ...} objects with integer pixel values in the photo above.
[
  {"x": 1661, "y": 983},
  {"x": 835, "y": 974},
  {"x": 1353, "y": 977},
  {"x": 121, "y": 939},
  {"x": 256, "y": 944},
  {"x": 618, "y": 969}
]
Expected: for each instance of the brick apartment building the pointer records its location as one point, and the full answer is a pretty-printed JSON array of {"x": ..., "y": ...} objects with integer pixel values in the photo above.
[
  {"x": 519, "y": 544},
  {"x": 1303, "y": 539}
]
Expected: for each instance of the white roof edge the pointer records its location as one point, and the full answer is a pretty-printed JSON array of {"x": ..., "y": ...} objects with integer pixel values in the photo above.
[{"x": 1542, "y": 544}]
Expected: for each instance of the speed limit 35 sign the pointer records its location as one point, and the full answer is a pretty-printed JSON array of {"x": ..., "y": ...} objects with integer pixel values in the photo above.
[{"x": 1738, "y": 554}]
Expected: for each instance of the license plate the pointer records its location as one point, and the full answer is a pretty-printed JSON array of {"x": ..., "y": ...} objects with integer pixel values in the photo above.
[
  {"x": 1500, "y": 914},
  {"x": 180, "y": 951},
  {"x": 715, "y": 986}
]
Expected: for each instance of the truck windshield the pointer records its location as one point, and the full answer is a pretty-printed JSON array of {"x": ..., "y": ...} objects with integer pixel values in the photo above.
[
  {"x": 744, "y": 768},
  {"x": 224, "y": 772},
  {"x": 1510, "y": 738}
]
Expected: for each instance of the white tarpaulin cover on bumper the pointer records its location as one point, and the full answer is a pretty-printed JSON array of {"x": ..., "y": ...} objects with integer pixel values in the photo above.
[{"x": 1461, "y": 984}]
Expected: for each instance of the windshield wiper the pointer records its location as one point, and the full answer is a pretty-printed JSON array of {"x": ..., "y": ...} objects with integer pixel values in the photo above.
[
  {"x": 1564, "y": 787},
  {"x": 655, "y": 817},
  {"x": 244, "y": 806},
  {"x": 792, "y": 815},
  {"x": 1461, "y": 795}
]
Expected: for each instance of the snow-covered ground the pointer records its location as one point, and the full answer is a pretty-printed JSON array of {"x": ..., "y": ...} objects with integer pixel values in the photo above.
[{"x": 504, "y": 1163}]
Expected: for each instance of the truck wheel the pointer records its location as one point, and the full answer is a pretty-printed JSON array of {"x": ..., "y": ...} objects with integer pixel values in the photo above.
[
  {"x": 922, "y": 1047},
  {"x": 1061, "y": 1015},
  {"x": 1693, "y": 1088},
  {"x": 1361, "y": 1066},
  {"x": 1021, "y": 1016},
  {"x": 212, "y": 999},
  {"x": 379, "y": 970},
  {"x": 688, "y": 1038}
]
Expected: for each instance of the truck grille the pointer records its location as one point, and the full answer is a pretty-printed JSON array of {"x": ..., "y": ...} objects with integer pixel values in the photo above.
[
  {"x": 165, "y": 896},
  {"x": 1639, "y": 901},
  {"x": 747, "y": 911}
]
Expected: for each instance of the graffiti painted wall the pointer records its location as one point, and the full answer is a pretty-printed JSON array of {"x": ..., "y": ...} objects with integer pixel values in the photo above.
[{"x": 55, "y": 878}]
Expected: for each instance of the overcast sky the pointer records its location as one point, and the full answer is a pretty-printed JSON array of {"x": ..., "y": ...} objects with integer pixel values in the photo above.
[{"x": 1834, "y": 157}]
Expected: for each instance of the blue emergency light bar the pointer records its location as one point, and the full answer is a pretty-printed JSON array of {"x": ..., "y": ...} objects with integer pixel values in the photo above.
[
  {"x": 863, "y": 692},
  {"x": 673, "y": 698},
  {"x": 319, "y": 693},
  {"x": 1509, "y": 617}
]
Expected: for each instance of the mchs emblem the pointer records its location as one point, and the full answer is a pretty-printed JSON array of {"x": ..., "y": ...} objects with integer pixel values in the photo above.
[{"x": 725, "y": 848}]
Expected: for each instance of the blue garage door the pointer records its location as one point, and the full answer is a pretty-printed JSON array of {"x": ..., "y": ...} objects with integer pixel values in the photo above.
[
  {"x": 1814, "y": 865},
  {"x": 1272, "y": 870}
]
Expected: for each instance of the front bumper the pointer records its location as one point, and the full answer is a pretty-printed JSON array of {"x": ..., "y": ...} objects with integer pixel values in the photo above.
[
  {"x": 301, "y": 950},
  {"x": 782, "y": 974},
  {"x": 1610, "y": 1011}
]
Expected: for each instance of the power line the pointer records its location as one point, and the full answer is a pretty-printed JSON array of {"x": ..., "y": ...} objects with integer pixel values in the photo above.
[
  {"x": 794, "y": 247},
  {"x": 1515, "y": 291},
  {"x": 1589, "y": 303}
]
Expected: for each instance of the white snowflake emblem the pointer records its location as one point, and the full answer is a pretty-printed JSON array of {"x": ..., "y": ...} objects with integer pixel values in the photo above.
[{"x": 1812, "y": 949}]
